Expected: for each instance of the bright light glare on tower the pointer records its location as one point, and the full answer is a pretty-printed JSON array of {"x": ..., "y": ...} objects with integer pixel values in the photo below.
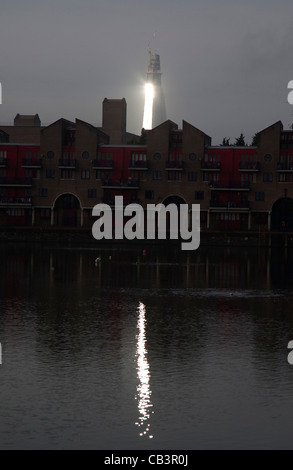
[{"x": 148, "y": 106}]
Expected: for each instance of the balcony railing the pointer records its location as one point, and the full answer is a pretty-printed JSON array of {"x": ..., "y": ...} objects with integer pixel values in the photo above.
[
  {"x": 122, "y": 184},
  {"x": 174, "y": 165},
  {"x": 67, "y": 163},
  {"x": 5, "y": 181},
  {"x": 230, "y": 185},
  {"x": 32, "y": 163},
  {"x": 16, "y": 200},
  {"x": 3, "y": 162},
  {"x": 249, "y": 166},
  {"x": 285, "y": 166},
  {"x": 210, "y": 166},
  {"x": 103, "y": 164},
  {"x": 138, "y": 165},
  {"x": 230, "y": 204}
]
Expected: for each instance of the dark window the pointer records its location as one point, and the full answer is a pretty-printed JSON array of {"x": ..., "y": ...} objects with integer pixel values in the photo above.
[
  {"x": 199, "y": 195},
  {"x": 85, "y": 155},
  {"x": 149, "y": 194},
  {"x": 50, "y": 154},
  {"x": 92, "y": 193},
  {"x": 268, "y": 177},
  {"x": 260, "y": 196},
  {"x": 192, "y": 176},
  {"x": 85, "y": 174},
  {"x": 45, "y": 213},
  {"x": 50, "y": 173},
  {"x": 67, "y": 174},
  {"x": 157, "y": 175},
  {"x": 43, "y": 192},
  {"x": 174, "y": 176},
  {"x": 103, "y": 175}
]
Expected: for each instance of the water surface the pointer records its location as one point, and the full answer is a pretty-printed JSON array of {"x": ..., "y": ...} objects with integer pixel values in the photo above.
[{"x": 171, "y": 350}]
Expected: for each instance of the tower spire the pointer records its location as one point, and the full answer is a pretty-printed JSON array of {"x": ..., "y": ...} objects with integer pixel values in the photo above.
[{"x": 154, "y": 107}]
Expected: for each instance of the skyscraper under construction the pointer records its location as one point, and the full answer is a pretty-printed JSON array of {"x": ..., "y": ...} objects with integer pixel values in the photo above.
[{"x": 154, "y": 105}]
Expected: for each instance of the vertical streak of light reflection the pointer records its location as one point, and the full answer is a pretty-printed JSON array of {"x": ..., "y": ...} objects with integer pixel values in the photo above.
[{"x": 143, "y": 374}]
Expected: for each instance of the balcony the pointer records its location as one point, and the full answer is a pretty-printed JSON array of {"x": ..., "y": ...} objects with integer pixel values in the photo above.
[
  {"x": 31, "y": 162},
  {"x": 99, "y": 164},
  {"x": 285, "y": 166},
  {"x": 210, "y": 166},
  {"x": 249, "y": 166},
  {"x": 232, "y": 205},
  {"x": 16, "y": 201},
  {"x": 230, "y": 185},
  {"x": 3, "y": 162},
  {"x": 69, "y": 163},
  {"x": 174, "y": 165},
  {"x": 22, "y": 182},
  {"x": 138, "y": 165},
  {"x": 120, "y": 184}
]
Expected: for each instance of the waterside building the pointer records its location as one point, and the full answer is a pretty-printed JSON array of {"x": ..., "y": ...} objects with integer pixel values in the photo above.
[{"x": 53, "y": 176}]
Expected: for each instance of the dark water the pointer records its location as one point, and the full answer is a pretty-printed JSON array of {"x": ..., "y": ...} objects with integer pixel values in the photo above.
[{"x": 171, "y": 350}]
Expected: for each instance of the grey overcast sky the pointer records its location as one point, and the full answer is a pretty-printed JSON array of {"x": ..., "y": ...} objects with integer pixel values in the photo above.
[{"x": 226, "y": 64}]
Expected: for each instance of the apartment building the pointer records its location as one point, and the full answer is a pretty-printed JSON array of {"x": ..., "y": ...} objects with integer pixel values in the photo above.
[{"x": 68, "y": 167}]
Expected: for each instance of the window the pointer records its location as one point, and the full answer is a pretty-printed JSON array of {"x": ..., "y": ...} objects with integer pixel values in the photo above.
[
  {"x": 85, "y": 174},
  {"x": 103, "y": 175},
  {"x": 149, "y": 194},
  {"x": 108, "y": 157},
  {"x": 199, "y": 195},
  {"x": 43, "y": 192},
  {"x": 67, "y": 174},
  {"x": 157, "y": 175},
  {"x": 268, "y": 177},
  {"x": 92, "y": 193},
  {"x": 138, "y": 157},
  {"x": 174, "y": 176},
  {"x": 285, "y": 177},
  {"x": 15, "y": 212},
  {"x": 50, "y": 173},
  {"x": 192, "y": 176},
  {"x": 259, "y": 196},
  {"x": 210, "y": 177},
  {"x": 45, "y": 213},
  {"x": 33, "y": 173},
  {"x": 175, "y": 157},
  {"x": 139, "y": 175},
  {"x": 248, "y": 178}
]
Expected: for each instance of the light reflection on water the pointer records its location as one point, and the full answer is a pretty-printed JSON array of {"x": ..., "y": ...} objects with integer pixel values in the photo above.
[
  {"x": 199, "y": 339},
  {"x": 143, "y": 373}
]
